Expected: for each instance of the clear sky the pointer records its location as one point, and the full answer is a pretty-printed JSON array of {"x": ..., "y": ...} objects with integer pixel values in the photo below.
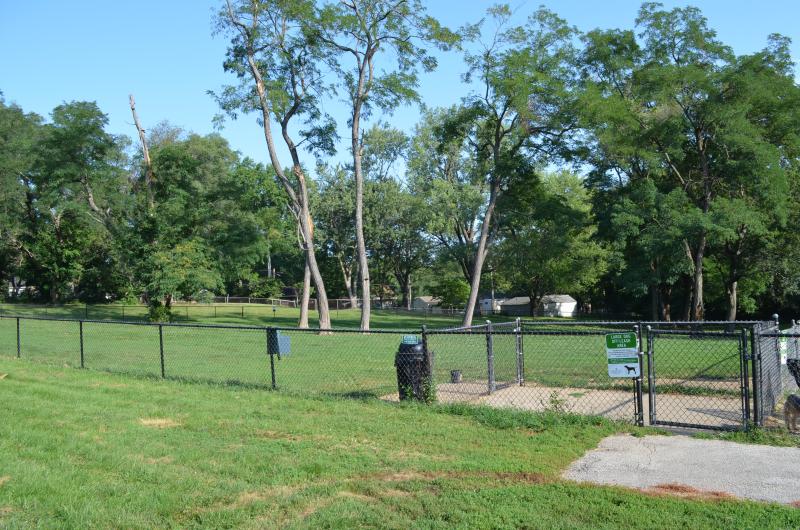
[{"x": 164, "y": 53}]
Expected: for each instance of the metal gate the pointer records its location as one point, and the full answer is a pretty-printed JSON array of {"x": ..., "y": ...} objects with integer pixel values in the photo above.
[{"x": 698, "y": 379}]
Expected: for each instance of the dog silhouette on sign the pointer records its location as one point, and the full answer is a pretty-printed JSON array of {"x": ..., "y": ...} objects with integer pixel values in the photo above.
[{"x": 630, "y": 369}]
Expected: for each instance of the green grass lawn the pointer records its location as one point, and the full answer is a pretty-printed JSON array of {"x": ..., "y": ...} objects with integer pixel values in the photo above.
[
  {"x": 354, "y": 363},
  {"x": 246, "y": 314},
  {"x": 86, "y": 449}
]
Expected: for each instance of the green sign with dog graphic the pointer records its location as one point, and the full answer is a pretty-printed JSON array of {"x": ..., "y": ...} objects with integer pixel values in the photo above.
[{"x": 622, "y": 351}]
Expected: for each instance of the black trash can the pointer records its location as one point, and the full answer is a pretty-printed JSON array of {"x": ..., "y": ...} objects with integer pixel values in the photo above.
[{"x": 413, "y": 371}]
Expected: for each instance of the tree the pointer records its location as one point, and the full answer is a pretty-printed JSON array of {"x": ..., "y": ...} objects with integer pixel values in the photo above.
[
  {"x": 520, "y": 112},
  {"x": 334, "y": 209},
  {"x": 396, "y": 226},
  {"x": 443, "y": 175},
  {"x": 278, "y": 67},
  {"x": 359, "y": 30},
  {"x": 547, "y": 238},
  {"x": 19, "y": 136},
  {"x": 681, "y": 109},
  {"x": 451, "y": 292}
]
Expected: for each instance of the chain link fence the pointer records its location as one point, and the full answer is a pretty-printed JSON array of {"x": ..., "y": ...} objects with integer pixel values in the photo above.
[{"x": 711, "y": 374}]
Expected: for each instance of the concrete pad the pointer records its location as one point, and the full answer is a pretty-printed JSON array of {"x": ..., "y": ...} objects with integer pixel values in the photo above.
[
  {"x": 677, "y": 464},
  {"x": 713, "y": 411}
]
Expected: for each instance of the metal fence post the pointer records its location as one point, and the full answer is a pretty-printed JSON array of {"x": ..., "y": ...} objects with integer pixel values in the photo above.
[
  {"x": 520, "y": 359},
  {"x": 19, "y": 349},
  {"x": 161, "y": 349},
  {"x": 490, "y": 356},
  {"x": 755, "y": 355},
  {"x": 745, "y": 378},
  {"x": 651, "y": 377},
  {"x": 637, "y": 383},
  {"x": 80, "y": 329},
  {"x": 272, "y": 345}
]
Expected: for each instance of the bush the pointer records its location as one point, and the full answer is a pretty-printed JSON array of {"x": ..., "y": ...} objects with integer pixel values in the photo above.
[
  {"x": 204, "y": 297},
  {"x": 266, "y": 288},
  {"x": 158, "y": 312}
]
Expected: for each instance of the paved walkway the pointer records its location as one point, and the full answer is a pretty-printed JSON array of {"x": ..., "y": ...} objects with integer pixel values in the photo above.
[{"x": 681, "y": 465}]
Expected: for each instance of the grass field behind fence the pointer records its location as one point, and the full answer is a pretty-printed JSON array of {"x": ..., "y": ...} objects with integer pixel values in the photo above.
[
  {"x": 359, "y": 364},
  {"x": 246, "y": 314}
]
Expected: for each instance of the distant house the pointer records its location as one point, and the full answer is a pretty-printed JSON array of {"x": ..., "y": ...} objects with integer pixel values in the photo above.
[
  {"x": 486, "y": 307},
  {"x": 552, "y": 305},
  {"x": 558, "y": 305},
  {"x": 424, "y": 303},
  {"x": 519, "y": 306}
]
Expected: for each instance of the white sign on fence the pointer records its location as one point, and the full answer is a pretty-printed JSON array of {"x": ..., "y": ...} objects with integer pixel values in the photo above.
[{"x": 622, "y": 351}]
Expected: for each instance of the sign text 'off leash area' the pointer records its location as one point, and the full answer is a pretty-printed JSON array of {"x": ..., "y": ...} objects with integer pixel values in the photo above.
[{"x": 622, "y": 351}]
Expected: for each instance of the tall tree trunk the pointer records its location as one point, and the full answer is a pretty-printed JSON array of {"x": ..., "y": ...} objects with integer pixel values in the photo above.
[
  {"x": 480, "y": 257},
  {"x": 666, "y": 305},
  {"x": 311, "y": 262},
  {"x": 306, "y": 296},
  {"x": 733, "y": 299},
  {"x": 405, "y": 289},
  {"x": 298, "y": 198},
  {"x": 361, "y": 245},
  {"x": 687, "y": 306},
  {"x": 148, "y": 166},
  {"x": 697, "y": 280},
  {"x": 347, "y": 275},
  {"x": 654, "y": 301}
]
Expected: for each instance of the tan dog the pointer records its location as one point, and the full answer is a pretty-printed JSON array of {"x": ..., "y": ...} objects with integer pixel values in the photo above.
[{"x": 791, "y": 411}]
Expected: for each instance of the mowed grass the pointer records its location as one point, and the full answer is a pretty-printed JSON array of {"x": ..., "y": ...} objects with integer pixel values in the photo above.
[
  {"x": 86, "y": 449},
  {"x": 244, "y": 314},
  {"x": 351, "y": 363}
]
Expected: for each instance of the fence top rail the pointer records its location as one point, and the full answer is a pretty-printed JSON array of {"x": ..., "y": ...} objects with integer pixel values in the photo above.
[
  {"x": 219, "y": 326},
  {"x": 642, "y": 322},
  {"x": 779, "y": 335},
  {"x": 514, "y": 332},
  {"x": 696, "y": 333}
]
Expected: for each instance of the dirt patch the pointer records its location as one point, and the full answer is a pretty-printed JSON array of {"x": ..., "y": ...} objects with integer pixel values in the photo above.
[
  {"x": 315, "y": 506},
  {"x": 391, "y": 492},
  {"x": 275, "y": 435},
  {"x": 356, "y": 496},
  {"x": 108, "y": 385},
  {"x": 159, "y": 423},
  {"x": 4, "y": 479},
  {"x": 161, "y": 460},
  {"x": 406, "y": 476},
  {"x": 682, "y": 490}
]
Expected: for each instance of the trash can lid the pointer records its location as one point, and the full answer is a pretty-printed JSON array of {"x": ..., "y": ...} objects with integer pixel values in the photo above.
[{"x": 410, "y": 348}]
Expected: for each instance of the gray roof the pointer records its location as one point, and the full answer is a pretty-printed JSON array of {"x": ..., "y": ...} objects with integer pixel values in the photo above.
[
  {"x": 428, "y": 299},
  {"x": 558, "y": 298},
  {"x": 518, "y": 300},
  {"x": 547, "y": 299}
]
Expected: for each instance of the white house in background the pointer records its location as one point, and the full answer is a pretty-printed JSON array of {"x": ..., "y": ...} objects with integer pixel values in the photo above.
[
  {"x": 558, "y": 305},
  {"x": 551, "y": 305},
  {"x": 486, "y": 307},
  {"x": 424, "y": 303}
]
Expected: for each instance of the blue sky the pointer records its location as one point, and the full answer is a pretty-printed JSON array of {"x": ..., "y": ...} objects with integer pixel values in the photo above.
[{"x": 164, "y": 53}]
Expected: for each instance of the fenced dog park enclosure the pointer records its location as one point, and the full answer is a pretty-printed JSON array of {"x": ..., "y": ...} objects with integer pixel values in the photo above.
[{"x": 717, "y": 375}]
